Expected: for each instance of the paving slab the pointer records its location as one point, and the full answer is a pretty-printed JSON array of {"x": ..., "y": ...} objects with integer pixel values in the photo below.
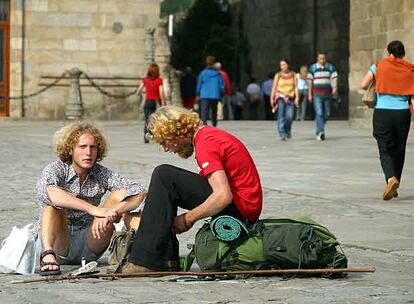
[{"x": 337, "y": 182}]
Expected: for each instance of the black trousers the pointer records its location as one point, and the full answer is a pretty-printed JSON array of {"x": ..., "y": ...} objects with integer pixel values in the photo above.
[
  {"x": 391, "y": 129},
  {"x": 170, "y": 187},
  {"x": 150, "y": 107}
]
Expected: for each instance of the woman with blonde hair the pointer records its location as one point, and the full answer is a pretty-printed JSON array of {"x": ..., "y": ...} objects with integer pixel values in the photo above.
[
  {"x": 154, "y": 93},
  {"x": 228, "y": 183},
  {"x": 302, "y": 79}
]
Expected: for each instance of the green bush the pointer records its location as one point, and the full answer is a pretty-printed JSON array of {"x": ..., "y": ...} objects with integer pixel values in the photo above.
[{"x": 206, "y": 30}]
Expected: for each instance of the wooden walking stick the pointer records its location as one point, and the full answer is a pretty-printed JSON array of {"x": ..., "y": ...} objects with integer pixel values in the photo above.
[{"x": 256, "y": 273}]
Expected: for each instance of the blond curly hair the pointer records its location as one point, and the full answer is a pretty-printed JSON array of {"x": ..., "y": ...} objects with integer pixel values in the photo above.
[
  {"x": 69, "y": 135},
  {"x": 169, "y": 123}
]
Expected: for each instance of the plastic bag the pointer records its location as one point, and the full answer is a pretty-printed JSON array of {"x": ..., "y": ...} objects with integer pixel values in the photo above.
[{"x": 18, "y": 251}]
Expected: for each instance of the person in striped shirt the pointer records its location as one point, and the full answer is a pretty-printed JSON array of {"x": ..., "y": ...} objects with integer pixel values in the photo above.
[{"x": 322, "y": 80}]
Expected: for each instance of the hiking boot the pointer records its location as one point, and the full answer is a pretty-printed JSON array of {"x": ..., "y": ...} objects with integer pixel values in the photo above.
[
  {"x": 390, "y": 189},
  {"x": 133, "y": 268}
]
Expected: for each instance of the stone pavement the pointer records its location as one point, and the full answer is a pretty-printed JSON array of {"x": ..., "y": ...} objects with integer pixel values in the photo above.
[{"x": 337, "y": 182}]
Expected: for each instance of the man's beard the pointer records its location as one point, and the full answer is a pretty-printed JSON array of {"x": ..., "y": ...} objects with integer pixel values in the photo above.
[{"x": 186, "y": 150}]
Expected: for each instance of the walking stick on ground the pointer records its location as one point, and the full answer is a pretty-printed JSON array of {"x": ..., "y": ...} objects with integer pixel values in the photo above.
[{"x": 256, "y": 273}]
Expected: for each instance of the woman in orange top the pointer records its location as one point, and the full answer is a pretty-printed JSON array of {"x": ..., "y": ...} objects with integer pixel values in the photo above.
[
  {"x": 284, "y": 98},
  {"x": 154, "y": 93},
  {"x": 394, "y": 84}
]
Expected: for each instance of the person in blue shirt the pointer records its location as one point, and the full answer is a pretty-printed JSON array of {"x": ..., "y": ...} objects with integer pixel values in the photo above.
[{"x": 210, "y": 87}]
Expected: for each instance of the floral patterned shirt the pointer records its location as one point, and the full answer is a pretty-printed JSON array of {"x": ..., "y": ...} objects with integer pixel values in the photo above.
[{"x": 99, "y": 180}]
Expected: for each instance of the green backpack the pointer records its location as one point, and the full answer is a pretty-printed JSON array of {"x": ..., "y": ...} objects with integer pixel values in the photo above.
[{"x": 289, "y": 243}]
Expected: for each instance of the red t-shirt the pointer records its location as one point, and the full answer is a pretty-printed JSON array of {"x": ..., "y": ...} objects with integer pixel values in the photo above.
[
  {"x": 215, "y": 150},
  {"x": 152, "y": 88},
  {"x": 226, "y": 79}
]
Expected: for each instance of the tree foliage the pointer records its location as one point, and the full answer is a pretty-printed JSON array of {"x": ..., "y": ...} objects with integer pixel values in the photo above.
[
  {"x": 174, "y": 6},
  {"x": 206, "y": 30}
]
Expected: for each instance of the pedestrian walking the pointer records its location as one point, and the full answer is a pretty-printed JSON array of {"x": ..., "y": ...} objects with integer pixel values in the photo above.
[
  {"x": 302, "y": 79},
  {"x": 266, "y": 92},
  {"x": 240, "y": 104},
  {"x": 322, "y": 82},
  {"x": 284, "y": 98},
  {"x": 154, "y": 93},
  {"x": 226, "y": 92},
  {"x": 188, "y": 85},
  {"x": 234, "y": 103},
  {"x": 210, "y": 87},
  {"x": 253, "y": 96},
  {"x": 394, "y": 84}
]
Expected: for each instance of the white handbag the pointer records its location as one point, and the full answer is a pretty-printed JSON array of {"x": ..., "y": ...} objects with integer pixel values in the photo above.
[{"x": 18, "y": 251}]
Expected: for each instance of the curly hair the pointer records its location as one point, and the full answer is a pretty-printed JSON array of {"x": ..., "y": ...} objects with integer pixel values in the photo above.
[
  {"x": 69, "y": 135},
  {"x": 171, "y": 122}
]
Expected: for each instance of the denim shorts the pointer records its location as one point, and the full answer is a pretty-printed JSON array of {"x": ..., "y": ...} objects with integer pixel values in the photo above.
[{"x": 78, "y": 248}]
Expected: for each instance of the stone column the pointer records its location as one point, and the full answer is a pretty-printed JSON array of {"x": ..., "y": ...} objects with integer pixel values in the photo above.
[
  {"x": 74, "y": 106},
  {"x": 149, "y": 55},
  {"x": 175, "y": 88},
  {"x": 162, "y": 57}
]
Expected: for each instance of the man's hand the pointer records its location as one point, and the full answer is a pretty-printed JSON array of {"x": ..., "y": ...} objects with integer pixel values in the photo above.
[
  {"x": 99, "y": 227},
  {"x": 107, "y": 213},
  {"x": 181, "y": 224},
  {"x": 310, "y": 97}
]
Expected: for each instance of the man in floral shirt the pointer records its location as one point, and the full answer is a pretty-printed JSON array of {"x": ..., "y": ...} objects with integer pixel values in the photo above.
[{"x": 72, "y": 225}]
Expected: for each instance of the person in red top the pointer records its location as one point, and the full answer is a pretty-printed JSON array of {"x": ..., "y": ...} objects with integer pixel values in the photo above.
[
  {"x": 154, "y": 93},
  {"x": 228, "y": 184},
  {"x": 226, "y": 79},
  {"x": 227, "y": 89}
]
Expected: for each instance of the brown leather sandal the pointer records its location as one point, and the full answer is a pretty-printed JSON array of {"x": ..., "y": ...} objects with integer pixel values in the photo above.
[{"x": 48, "y": 272}]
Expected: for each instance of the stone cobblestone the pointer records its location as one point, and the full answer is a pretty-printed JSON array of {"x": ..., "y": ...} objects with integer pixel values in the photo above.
[{"x": 337, "y": 182}]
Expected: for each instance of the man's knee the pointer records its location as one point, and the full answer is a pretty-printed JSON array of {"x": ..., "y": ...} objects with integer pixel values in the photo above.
[
  {"x": 52, "y": 211},
  {"x": 163, "y": 171}
]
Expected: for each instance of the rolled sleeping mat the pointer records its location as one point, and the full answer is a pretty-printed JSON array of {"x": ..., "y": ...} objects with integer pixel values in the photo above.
[{"x": 227, "y": 228}]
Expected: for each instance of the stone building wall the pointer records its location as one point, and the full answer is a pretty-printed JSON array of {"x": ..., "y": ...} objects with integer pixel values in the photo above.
[
  {"x": 374, "y": 23},
  {"x": 102, "y": 38},
  {"x": 295, "y": 30}
]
